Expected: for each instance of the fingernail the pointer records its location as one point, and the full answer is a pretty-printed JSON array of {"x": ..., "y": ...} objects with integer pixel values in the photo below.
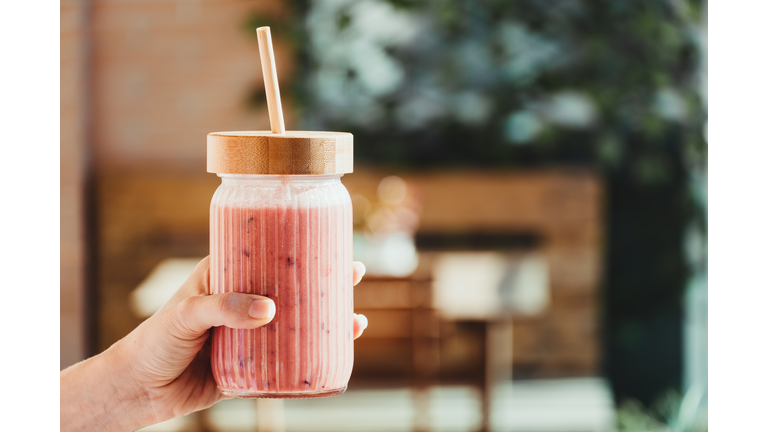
[
  {"x": 363, "y": 321},
  {"x": 262, "y": 309},
  {"x": 361, "y": 266}
]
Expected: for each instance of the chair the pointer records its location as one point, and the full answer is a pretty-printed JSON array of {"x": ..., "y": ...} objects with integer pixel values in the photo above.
[{"x": 402, "y": 339}]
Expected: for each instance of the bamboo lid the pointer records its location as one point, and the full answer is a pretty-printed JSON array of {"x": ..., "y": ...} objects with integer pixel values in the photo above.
[
  {"x": 278, "y": 151},
  {"x": 289, "y": 153}
]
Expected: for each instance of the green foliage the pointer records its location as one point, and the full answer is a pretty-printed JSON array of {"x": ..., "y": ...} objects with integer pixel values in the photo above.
[
  {"x": 449, "y": 82},
  {"x": 666, "y": 414},
  {"x": 605, "y": 84}
]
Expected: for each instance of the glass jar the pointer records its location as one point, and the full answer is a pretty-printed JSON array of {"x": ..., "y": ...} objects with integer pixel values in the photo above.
[{"x": 287, "y": 237}]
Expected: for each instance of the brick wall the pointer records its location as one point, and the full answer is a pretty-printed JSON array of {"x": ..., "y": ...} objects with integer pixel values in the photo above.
[
  {"x": 142, "y": 83},
  {"x": 73, "y": 170},
  {"x": 167, "y": 72}
]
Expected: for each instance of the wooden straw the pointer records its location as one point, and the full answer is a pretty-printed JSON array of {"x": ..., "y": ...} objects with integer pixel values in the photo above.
[{"x": 270, "y": 80}]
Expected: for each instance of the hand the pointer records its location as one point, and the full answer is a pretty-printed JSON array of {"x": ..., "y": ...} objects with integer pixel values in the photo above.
[{"x": 162, "y": 369}]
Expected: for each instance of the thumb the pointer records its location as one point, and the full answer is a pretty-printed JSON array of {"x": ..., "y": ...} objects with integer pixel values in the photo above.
[{"x": 195, "y": 315}]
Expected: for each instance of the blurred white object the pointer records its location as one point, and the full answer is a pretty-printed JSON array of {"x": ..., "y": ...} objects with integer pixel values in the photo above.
[
  {"x": 159, "y": 286},
  {"x": 392, "y": 190},
  {"x": 483, "y": 285},
  {"x": 525, "y": 287},
  {"x": 562, "y": 405},
  {"x": 554, "y": 405},
  {"x": 569, "y": 108},
  {"x": 233, "y": 415},
  {"x": 177, "y": 424},
  {"x": 466, "y": 284},
  {"x": 393, "y": 254},
  {"x": 271, "y": 415},
  {"x": 558, "y": 405}
]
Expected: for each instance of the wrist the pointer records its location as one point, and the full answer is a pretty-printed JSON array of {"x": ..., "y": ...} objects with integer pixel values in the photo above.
[{"x": 99, "y": 394}]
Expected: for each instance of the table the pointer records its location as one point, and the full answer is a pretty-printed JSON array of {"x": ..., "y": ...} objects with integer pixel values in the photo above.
[{"x": 491, "y": 287}]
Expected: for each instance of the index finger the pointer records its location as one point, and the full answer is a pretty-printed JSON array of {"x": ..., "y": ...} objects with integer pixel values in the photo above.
[{"x": 358, "y": 270}]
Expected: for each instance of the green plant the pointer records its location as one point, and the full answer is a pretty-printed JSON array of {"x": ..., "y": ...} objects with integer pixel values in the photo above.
[
  {"x": 608, "y": 85},
  {"x": 671, "y": 412}
]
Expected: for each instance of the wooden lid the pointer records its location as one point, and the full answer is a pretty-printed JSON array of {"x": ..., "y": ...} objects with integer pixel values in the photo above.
[{"x": 293, "y": 152}]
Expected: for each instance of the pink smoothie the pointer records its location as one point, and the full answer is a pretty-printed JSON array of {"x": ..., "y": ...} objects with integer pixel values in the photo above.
[{"x": 301, "y": 257}]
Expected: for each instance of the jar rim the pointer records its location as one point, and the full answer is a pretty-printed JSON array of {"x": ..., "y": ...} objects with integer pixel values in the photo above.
[{"x": 281, "y": 176}]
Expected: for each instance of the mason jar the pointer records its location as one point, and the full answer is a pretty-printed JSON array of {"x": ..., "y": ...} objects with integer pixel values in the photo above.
[{"x": 281, "y": 227}]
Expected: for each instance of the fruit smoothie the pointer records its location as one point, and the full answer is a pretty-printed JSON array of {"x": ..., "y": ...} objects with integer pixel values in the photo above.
[{"x": 288, "y": 238}]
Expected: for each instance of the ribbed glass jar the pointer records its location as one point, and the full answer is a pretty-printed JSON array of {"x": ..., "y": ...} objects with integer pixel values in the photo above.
[{"x": 289, "y": 238}]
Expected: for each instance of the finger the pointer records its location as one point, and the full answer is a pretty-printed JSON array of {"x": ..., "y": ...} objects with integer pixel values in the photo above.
[
  {"x": 358, "y": 270},
  {"x": 359, "y": 323},
  {"x": 193, "y": 316},
  {"x": 196, "y": 284}
]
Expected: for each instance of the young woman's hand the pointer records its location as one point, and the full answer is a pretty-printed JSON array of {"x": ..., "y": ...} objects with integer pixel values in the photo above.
[{"x": 162, "y": 369}]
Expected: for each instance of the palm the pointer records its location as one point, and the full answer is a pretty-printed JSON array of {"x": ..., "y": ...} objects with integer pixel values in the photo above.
[{"x": 194, "y": 389}]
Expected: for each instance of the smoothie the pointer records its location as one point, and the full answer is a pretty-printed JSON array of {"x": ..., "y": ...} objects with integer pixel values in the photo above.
[{"x": 290, "y": 241}]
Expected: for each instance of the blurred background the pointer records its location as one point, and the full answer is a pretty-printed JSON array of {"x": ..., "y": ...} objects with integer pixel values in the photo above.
[{"x": 530, "y": 196}]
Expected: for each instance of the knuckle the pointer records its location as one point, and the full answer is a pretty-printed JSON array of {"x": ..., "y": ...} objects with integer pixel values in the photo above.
[
  {"x": 180, "y": 319},
  {"x": 230, "y": 305},
  {"x": 225, "y": 304}
]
